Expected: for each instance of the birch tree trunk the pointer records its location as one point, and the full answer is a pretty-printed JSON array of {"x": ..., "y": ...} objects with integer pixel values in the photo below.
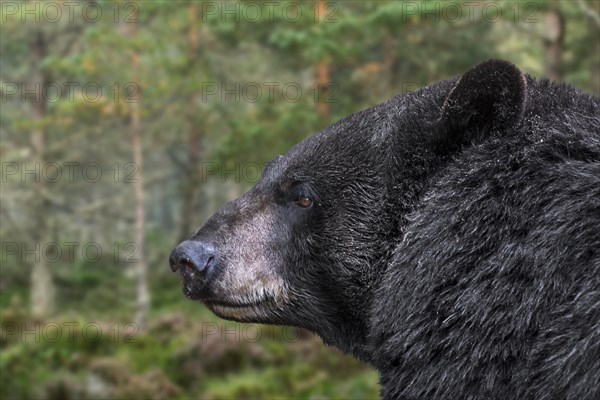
[
  {"x": 42, "y": 285},
  {"x": 143, "y": 294},
  {"x": 192, "y": 194},
  {"x": 554, "y": 25},
  {"x": 323, "y": 72}
]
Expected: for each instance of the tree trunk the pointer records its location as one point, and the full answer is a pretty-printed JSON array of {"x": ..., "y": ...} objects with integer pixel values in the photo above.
[
  {"x": 596, "y": 65},
  {"x": 192, "y": 193},
  {"x": 389, "y": 59},
  {"x": 42, "y": 285},
  {"x": 591, "y": 12},
  {"x": 322, "y": 87},
  {"x": 554, "y": 24},
  {"x": 322, "y": 71},
  {"x": 143, "y": 295}
]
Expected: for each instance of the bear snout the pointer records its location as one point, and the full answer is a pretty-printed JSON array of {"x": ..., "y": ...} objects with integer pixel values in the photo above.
[{"x": 193, "y": 258}]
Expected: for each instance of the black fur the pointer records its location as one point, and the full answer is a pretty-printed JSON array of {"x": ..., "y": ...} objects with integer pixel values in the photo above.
[{"x": 454, "y": 242}]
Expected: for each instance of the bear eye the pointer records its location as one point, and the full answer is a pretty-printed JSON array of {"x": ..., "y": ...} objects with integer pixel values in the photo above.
[{"x": 304, "y": 202}]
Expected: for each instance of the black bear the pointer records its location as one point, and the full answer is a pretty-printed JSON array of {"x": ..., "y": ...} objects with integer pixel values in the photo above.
[{"x": 449, "y": 237}]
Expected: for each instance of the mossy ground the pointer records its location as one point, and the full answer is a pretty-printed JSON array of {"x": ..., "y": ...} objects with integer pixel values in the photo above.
[{"x": 90, "y": 350}]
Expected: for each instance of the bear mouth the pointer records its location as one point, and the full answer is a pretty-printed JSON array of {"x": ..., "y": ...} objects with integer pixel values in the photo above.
[
  {"x": 225, "y": 304},
  {"x": 234, "y": 311}
]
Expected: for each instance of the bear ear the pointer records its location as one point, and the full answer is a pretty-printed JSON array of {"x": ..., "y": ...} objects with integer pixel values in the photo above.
[{"x": 491, "y": 96}]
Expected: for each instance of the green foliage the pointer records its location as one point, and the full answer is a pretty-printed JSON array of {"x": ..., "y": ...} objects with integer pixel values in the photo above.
[{"x": 191, "y": 353}]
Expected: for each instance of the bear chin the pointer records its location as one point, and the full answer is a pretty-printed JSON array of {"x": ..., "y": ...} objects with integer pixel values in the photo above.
[{"x": 240, "y": 312}]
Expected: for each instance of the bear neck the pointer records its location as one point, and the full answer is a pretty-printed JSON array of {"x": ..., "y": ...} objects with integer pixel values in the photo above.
[
  {"x": 350, "y": 336},
  {"x": 413, "y": 163},
  {"x": 350, "y": 330}
]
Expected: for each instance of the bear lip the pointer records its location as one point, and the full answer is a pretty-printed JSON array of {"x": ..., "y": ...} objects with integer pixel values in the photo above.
[{"x": 219, "y": 303}]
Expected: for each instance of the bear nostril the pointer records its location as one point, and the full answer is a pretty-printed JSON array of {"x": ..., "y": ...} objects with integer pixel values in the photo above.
[{"x": 187, "y": 263}]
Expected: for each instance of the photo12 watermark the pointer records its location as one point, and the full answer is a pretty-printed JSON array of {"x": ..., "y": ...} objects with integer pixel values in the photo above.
[
  {"x": 69, "y": 92},
  {"x": 231, "y": 171},
  {"x": 68, "y": 172},
  {"x": 70, "y": 331},
  {"x": 270, "y": 11},
  {"x": 69, "y": 252},
  {"x": 471, "y": 11},
  {"x": 68, "y": 11},
  {"x": 271, "y": 92},
  {"x": 227, "y": 333}
]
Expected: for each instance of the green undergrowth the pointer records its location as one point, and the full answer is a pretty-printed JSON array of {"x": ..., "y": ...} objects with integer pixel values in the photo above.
[{"x": 91, "y": 350}]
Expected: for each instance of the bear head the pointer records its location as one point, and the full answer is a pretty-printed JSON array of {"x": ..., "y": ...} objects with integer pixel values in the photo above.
[{"x": 309, "y": 243}]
